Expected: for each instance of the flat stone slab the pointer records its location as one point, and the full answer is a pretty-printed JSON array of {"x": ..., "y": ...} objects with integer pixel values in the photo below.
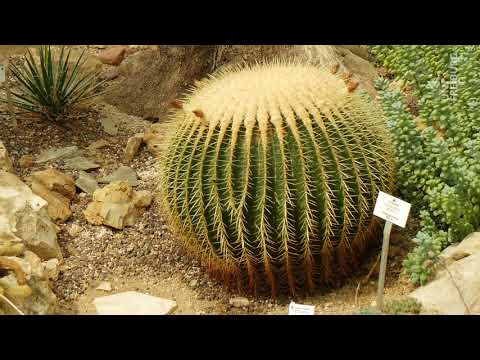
[
  {"x": 86, "y": 183},
  {"x": 133, "y": 303},
  {"x": 56, "y": 153},
  {"x": 123, "y": 173},
  {"x": 80, "y": 163},
  {"x": 110, "y": 126}
]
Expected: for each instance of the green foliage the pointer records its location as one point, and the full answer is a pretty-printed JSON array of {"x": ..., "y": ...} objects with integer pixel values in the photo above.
[
  {"x": 402, "y": 306},
  {"x": 438, "y": 149},
  {"x": 273, "y": 174},
  {"x": 369, "y": 311},
  {"x": 49, "y": 86}
]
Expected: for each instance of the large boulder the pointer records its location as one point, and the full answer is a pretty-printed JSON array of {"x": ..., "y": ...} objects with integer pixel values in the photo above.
[
  {"x": 152, "y": 79},
  {"x": 24, "y": 217}
]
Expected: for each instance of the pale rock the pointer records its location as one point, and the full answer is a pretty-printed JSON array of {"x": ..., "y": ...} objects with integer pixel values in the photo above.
[
  {"x": 131, "y": 149},
  {"x": 239, "y": 302},
  {"x": 5, "y": 161},
  {"x": 24, "y": 217},
  {"x": 123, "y": 173},
  {"x": 133, "y": 303},
  {"x": 110, "y": 126},
  {"x": 86, "y": 183},
  {"x": 58, "y": 205},
  {"x": 441, "y": 295},
  {"x": 74, "y": 230},
  {"x": 80, "y": 163},
  {"x": 142, "y": 198},
  {"x": 97, "y": 144},
  {"x": 52, "y": 269},
  {"x": 105, "y": 286},
  {"x": 468, "y": 246},
  {"x": 153, "y": 140},
  {"x": 110, "y": 74},
  {"x": 56, "y": 154},
  {"x": 113, "y": 56},
  {"x": 57, "y": 181},
  {"x": 116, "y": 205}
]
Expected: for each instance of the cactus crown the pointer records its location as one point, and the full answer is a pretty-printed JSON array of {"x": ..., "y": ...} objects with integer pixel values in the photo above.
[{"x": 272, "y": 175}]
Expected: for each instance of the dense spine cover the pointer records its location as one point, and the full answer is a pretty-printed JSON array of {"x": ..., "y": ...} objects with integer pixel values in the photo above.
[{"x": 272, "y": 175}]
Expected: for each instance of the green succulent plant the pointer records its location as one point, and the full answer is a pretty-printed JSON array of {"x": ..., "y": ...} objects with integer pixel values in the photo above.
[
  {"x": 50, "y": 85},
  {"x": 272, "y": 175},
  {"x": 437, "y": 142}
]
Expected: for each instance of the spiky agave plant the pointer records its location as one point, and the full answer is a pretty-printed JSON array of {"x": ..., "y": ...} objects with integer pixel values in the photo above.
[
  {"x": 49, "y": 86},
  {"x": 273, "y": 173}
]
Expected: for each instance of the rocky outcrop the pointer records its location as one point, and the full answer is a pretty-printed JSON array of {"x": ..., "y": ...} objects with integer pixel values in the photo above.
[
  {"x": 117, "y": 205},
  {"x": 24, "y": 217}
]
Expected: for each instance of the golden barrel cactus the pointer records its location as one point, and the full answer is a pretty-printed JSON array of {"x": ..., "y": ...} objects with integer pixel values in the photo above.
[{"x": 272, "y": 175}]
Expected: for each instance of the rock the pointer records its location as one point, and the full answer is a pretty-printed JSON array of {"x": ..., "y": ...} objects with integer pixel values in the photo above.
[
  {"x": 344, "y": 60},
  {"x": 110, "y": 74},
  {"x": 442, "y": 296},
  {"x": 116, "y": 205},
  {"x": 110, "y": 126},
  {"x": 97, "y": 144},
  {"x": 80, "y": 163},
  {"x": 193, "y": 283},
  {"x": 142, "y": 198},
  {"x": 86, "y": 183},
  {"x": 26, "y": 161},
  {"x": 113, "y": 56},
  {"x": 57, "y": 181},
  {"x": 123, "y": 173},
  {"x": 468, "y": 246},
  {"x": 131, "y": 149},
  {"x": 133, "y": 303},
  {"x": 24, "y": 217},
  {"x": 239, "y": 302},
  {"x": 5, "y": 161},
  {"x": 58, "y": 205},
  {"x": 153, "y": 139},
  {"x": 11, "y": 248},
  {"x": 32, "y": 294},
  {"x": 74, "y": 230},
  {"x": 56, "y": 154},
  {"x": 52, "y": 269},
  {"x": 105, "y": 286}
]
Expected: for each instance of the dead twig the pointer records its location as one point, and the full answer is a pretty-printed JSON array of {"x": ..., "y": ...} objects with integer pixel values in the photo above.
[
  {"x": 365, "y": 280},
  {"x": 11, "y": 304}
]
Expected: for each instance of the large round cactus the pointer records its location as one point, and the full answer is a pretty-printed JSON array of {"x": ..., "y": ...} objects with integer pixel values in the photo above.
[{"x": 272, "y": 175}]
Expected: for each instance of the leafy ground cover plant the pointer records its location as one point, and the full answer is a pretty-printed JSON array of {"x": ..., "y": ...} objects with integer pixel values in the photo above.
[{"x": 437, "y": 142}]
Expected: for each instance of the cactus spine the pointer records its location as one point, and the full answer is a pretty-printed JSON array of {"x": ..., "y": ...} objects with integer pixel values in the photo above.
[{"x": 272, "y": 175}]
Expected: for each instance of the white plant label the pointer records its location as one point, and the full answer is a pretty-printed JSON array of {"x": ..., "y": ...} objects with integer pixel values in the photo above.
[
  {"x": 392, "y": 209},
  {"x": 2, "y": 73},
  {"x": 299, "y": 309}
]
